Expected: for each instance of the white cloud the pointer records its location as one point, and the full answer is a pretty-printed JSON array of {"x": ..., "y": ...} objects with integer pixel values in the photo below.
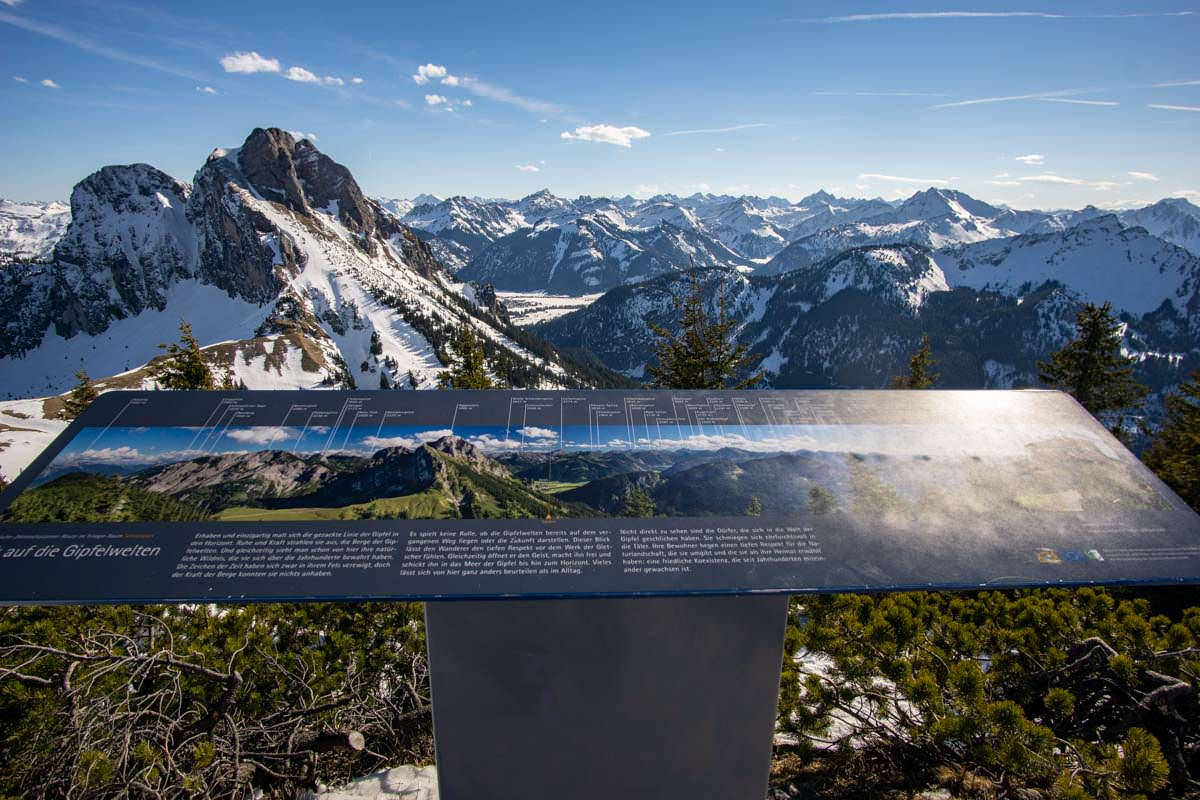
[
  {"x": 410, "y": 442},
  {"x": 910, "y": 15},
  {"x": 125, "y": 456},
  {"x": 1002, "y": 175},
  {"x": 1031, "y": 160},
  {"x": 527, "y": 167},
  {"x": 106, "y": 455},
  {"x": 19, "y": 79},
  {"x": 206, "y": 90},
  {"x": 82, "y": 43},
  {"x": 436, "y": 100},
  {"x": 867, "y": 176},
  {"x": 1142, "y": 176},
  {"x": 450, "y": 80},
  {"x": 427, "y": 71},
  {"x": 1191, "y": 82},
  {"x": 1190, "y": 194},
  {"x": 1051, "y": 178},
  {"x": 356, "y": 80},
  {"x": 718, "y": 149},
  {"x": 259, "y": 435},
  {"x": 494, "y": 443},
  {"x": 12, "y": 3},
  {"x": 248, "y": 63},
  {"x": 531, "y": 432},
  {"x": 1104, "y": 186},
  {"x": 893, "y": 15},
  {"x": 1162, "y": 107},
  {"x": 49, "y": 84},
  {"x": 1006, "y": 98},
  {"x": 646, "y": 190},
  {"x": 298, "y": 135},
  {"x": 880, "y": 94},
  {"x": 503, "y": 95},
  {"x": 608, "y": 134},
  {"x": 1003, "y": 182},
  {"x": 1079, "y": 102},
  {"x": 741, "y": 127},
  {"x": 301, "y": 75},
  {"x": 467, "y": 102}
]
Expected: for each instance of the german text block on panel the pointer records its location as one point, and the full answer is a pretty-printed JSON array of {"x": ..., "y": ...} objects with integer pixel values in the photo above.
[{"x": 163, "y": 496}]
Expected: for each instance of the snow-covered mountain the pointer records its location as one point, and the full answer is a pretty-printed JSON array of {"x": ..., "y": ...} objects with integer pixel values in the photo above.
[
  {"x": 853, "y": 320},
  {"x": 287, "y": 272},
  {"x": 1098, "y": 260},
  {"x": 1173, "y": 219},
  {"x": 935, "y": 204},
  {"x": 462, "y": 227},
  {"x": 591, "y": 254},
  {"x": 29, "y": 231},
  {"x": 933, "y": 218}
]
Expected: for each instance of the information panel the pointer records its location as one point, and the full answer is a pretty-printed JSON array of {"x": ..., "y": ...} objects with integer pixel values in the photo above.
[{"x": 256, "y": 496}]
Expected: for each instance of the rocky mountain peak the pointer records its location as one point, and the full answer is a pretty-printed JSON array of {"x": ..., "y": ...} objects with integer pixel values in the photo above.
[
  {"x": 543, "y": 204},
  {"x": 268, "y": 160},
  {"x": 127, "y": 188},
  {"x": 1103, "y": 223},
  {"x": 818, "y": 197},
  {"x": 127, "y": 242},
  {"x": 459, "y": 448},
  {"x": 304, "y": 179}
]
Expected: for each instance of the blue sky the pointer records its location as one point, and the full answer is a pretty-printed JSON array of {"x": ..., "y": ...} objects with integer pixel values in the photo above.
[{"x": 1046, "y": 105}]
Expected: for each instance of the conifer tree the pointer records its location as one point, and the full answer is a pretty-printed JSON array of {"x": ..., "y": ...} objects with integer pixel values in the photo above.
[
  {"x": 1175, "y": 453},
  {"x": 383, "y": 381},
  {"x": 638, "y": 503},
  {"x": 80, "y": 396},
  {"x": 1091, "y": 368},
  {"x": 754, "y": 507},
  {"x": 703, "y": 354},
  {"x": 821, "y": 500},
  {"x": 184, "y": 366},
  {"x": 470, "y": 368},
  {"x": 920, "y": 374}
]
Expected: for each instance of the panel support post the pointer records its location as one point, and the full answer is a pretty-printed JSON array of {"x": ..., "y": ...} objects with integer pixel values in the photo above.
[{"x": 595, "y": 699}]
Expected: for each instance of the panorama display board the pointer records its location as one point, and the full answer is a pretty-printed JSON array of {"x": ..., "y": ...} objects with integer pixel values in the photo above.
[{"x": 170, "y": 496}]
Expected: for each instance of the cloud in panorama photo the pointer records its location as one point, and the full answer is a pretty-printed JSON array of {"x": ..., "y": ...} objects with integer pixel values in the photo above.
[{"x": 346, "y": 472}]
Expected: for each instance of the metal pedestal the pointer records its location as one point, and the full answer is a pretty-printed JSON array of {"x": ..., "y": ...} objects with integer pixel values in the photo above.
[{"x": 605, "y": 698}]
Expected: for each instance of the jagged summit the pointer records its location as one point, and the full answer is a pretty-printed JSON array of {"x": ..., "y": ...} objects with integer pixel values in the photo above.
[{"x": 279, "y": 167}]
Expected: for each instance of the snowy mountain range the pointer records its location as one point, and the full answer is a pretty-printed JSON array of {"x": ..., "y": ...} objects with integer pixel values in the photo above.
[
  {"x": 286, "y": 271},
  {"x": 28, "y": 231},
  {"x": 292, "y": 278},
  {"x": 853, "y": 319},
  {"x": 536, "y": 243}
]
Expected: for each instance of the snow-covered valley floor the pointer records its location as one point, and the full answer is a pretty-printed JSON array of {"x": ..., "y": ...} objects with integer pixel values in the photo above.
[{"x": 530, "y": 308}]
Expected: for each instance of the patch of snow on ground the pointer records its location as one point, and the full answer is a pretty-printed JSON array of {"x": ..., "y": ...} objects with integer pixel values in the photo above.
[
  {"x": 400, "y": 783},
  {"x": 24, "y": 434},
  {"x": 129, "y": 343},
  {"x": 530, "y": 308}
]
